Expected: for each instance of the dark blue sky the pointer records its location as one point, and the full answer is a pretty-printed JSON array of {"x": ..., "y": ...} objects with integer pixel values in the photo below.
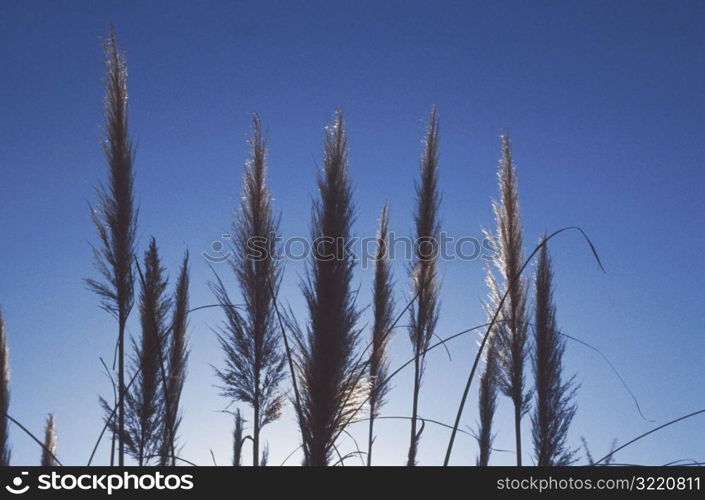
[{"x": 604, "y": 102}]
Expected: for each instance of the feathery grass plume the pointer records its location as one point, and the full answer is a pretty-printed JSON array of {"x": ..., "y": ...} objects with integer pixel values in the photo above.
[
  {"x": 177, "y": 360},
  {"x": 383, "y": 305},
  {"x": 487, "y": 405},
  {"x": 487, "y": 394},
  {"x": 250, "y": 340},
  {"x": 329, "y": 373},
  {"x": 145, "y": 403},
  {"x": 238, "y": 438},
  {"x": 511, "y": 330},
  {"x": 555, "y": 398},
  {"x": 115, "y": 217},
  {"x": 486, "y": 336},
  {"x": 49, "y": 450},
  {"x": 424, "y": 269},
  {"x": 4, "y": 396}
]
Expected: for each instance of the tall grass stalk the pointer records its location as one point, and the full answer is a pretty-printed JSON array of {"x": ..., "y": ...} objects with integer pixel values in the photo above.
[
  {"x": 115, "y": 218},
  {"x": 145, "y": 403},
  {"x": 511, "y": 334},
  {"x": 494, "y": 321},
  {"x": 328, "y": 372},
  {"x": 383, "y": 305},
  {"x": 424, "y": 269},
  {"x": 50, "y": 445},
  {"x": 555, "y": 398},
  {"x": 487, "y": 404},
  {"x": 255, "y": 364},
  {"x": 178, "y": 352}
]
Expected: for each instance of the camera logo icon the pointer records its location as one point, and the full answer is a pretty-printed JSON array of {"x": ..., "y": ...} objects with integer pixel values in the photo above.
[{"x": 16, "y": 488}]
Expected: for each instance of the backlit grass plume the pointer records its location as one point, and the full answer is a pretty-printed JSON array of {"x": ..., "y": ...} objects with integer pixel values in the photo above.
[
  {"x": 4, "y": 396},
  {"x": 511, "y": 331},
  {"x": 255, "y": 364},
  {"x": 383, "y": 307},
  {"x": 424, "y": 269},
  {"x": 329, "y": 374},
  {"x": 50, "y": 445},
  {"x": 487, "y": 403},
  {"x": 115, "y": 217},
  {"x": 555, "y": 406},
  {"x": 145, "y": 404},
  {"x": 178, "y": 352}
]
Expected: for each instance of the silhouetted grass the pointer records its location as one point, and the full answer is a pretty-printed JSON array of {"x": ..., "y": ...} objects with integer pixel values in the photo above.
[
  {"x": 331, "y": 378},
  {"x": 328, "y": 373},
  {"x": 383, "y": 307},
  {"x": 494, "y": 321},
  {"x": 487, "y": 405},
  {"x": 145, "y": 403},
  {"x": 555, "y": 397},
  {"x": 178, "y": 352},
  {"x": 424, "y": 269},
  {"x": 511, "y": 335},
  {"x": 115, "y": 217},
  {"x": 254, "y": 361}
]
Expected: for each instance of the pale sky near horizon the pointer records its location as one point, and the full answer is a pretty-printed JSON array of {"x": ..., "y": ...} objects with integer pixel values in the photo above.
[{"x": 604, "y": 103}]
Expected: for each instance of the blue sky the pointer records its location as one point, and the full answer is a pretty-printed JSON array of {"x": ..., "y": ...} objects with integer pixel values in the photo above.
[{"x": 604, "y": 104}]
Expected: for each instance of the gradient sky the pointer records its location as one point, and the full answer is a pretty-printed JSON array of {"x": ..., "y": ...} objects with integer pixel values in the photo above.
[{"x": 604, "y": 102}]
